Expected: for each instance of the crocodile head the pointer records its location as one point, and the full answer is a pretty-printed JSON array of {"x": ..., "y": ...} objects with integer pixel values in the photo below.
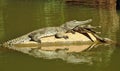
[{"x": 74, "y": 23}]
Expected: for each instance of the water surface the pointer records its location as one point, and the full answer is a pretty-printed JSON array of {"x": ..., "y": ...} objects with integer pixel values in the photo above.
[{"x": 20, "y": 17}]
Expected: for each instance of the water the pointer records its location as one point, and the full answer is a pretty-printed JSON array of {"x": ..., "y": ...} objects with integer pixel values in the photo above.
[{"x": 20, "y": 17}]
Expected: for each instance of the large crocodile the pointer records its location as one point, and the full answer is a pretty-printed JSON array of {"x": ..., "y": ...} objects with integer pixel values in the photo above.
[
  {"x": 57, "y": 31},
  {"x": 48, "y": 31}
]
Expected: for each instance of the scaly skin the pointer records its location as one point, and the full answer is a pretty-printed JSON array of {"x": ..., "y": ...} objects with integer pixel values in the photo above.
[
  {"x": 48, "y": 31},
  {"x": 57, "y": 31},
  {"x": 85, "y": 29},
  {"x": 44, "y": 32},
  {"x": 16, "y": 41}
]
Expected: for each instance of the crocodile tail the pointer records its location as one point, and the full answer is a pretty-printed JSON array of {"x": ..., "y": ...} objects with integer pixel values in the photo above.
[{"x": 2, "y": 45}]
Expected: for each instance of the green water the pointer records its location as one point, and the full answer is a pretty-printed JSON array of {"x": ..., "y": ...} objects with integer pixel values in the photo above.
[{"x": 18, "y": 17}]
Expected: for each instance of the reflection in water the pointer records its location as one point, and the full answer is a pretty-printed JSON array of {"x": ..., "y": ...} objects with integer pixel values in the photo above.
[
  {"x": 18, "y": 14},
  {"x": 86, "y": 53},
  {"x": 111, "y": 19}
]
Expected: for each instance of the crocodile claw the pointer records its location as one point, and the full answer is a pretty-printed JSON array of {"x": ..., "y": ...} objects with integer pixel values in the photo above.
[{"x": 65, "y": 37}]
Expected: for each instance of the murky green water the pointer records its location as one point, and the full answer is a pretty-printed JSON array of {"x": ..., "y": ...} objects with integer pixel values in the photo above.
[{"x": 18, "y": 17}]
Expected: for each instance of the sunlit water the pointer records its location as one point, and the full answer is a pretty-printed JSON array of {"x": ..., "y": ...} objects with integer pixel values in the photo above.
[{"x": 20, "y": 17}]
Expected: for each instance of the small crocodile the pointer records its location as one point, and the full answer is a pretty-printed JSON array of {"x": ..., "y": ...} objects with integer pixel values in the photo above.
[
  {"x": 48, "y": 31},
  {"x": 84, "y": 29}
]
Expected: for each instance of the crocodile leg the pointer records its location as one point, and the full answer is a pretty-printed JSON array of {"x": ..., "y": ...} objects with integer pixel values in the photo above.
[
  {"x": 99, "y": 38},
  {"x": 92, "y": 31},
  {"x": 34, "y": 37},
  {"x": 61, "y": 35},
  {"x": 86, "y": 34},
  {"x": 88, "y": 28},
  {"x": 71, "y": 31},
  {"x": 83, "y": 31}
]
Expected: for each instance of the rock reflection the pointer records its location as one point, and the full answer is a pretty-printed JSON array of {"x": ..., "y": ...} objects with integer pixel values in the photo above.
[
  {"x": 48, "y": 14},
  {"x": 77, "y": 54}
]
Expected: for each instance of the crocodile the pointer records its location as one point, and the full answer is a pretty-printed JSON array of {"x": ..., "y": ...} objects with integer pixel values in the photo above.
[
  {"x": 84, "y": 29},
  {"x": 57, "y": 31},
  {"x": 48, "y": 31}
]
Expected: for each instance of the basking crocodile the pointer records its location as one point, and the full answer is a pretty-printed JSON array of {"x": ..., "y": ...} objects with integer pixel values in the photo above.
[
  {"x": 48, "y": 31},
  {"x": 57, "y": 31},
  {"x": 84, "y": 29}
]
